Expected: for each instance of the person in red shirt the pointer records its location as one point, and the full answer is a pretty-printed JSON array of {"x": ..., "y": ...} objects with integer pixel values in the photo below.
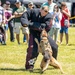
[{"x": 64, "y": 22}]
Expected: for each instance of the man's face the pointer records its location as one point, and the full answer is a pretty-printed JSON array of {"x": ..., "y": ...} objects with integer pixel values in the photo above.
[
  {"x": 30, "y": 6},
  {"x": 50, "y": 1},
  {"x": 18, "y": 4},
  {"x": 44, "y": 11}
]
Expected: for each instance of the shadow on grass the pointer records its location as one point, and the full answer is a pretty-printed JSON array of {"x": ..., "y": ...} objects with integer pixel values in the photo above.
[
  {"x": 72, "y": 49},
  {"x": 36, "y": 71},
  {"x": 71, "y": 45},
  {"x": 39, "y": 70},
  {"x": 52, "y": 68},
  {"x": 67, "y": 45},
  {"x": 22, "y": 69},
  {"x": 12, "y": 69}
]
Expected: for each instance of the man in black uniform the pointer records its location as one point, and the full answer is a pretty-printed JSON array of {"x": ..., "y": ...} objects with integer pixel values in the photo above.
[{"x": 36, "y": 20}]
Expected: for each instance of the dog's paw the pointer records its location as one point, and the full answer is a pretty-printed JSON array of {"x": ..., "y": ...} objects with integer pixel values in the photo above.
[{"x": 62, "y": 72}]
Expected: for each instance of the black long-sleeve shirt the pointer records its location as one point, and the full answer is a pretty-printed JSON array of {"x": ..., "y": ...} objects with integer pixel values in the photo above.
[{"x": 35, "y": 21}]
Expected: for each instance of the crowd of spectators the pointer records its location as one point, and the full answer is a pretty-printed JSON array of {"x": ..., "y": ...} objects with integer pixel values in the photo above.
[{"x": 10, "y": 18}]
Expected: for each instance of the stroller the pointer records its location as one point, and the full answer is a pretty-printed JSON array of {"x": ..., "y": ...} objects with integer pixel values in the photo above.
[{"x": 2, "y": 36}]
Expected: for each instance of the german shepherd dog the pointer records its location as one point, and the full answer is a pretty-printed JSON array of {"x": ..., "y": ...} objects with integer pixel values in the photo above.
[{"x": 45, "y": 48}]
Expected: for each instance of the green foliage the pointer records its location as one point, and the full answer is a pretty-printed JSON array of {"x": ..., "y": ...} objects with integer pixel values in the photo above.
[{"x": 12, "y": 58}]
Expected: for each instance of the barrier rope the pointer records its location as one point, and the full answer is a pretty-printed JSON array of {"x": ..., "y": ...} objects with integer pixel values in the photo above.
[{"x": 72, "y": 17}]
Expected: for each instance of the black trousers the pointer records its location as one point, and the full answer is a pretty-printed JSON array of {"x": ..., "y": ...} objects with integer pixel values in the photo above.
[
  {"x": 11, "y": 26},
  {"x": 32, "y": 51}
]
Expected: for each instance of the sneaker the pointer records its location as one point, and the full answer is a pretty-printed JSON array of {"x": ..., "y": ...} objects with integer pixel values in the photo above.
[
  {"x": 30, "y": 69},
  {"x": 12, "y": 40},
  {"x": 18, "y": 43},
  {"x": 3, "y": 43},
  {"x": 24, "y": 41}
]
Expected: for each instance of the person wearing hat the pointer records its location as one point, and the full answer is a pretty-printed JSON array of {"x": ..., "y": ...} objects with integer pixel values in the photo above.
[
  {"x": 18, "y": 11},
  {"x": 9, "y": 24}
]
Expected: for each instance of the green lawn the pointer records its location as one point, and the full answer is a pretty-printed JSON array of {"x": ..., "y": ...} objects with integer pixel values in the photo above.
[{"x": 12, "y": 58}]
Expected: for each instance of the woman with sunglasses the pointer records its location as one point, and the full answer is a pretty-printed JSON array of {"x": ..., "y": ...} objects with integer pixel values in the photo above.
[{"x": 36, "y": 20}]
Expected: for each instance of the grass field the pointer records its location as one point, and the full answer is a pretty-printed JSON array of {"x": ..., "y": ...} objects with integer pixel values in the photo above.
[{"x": 12, "y": 58}]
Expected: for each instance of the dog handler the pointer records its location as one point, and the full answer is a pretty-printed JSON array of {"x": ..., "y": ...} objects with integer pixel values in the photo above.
[{"x": 36, "y": 20}]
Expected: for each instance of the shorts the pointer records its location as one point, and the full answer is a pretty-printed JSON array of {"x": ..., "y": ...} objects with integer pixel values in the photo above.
[
  {"x": 64, "y": 29},
  {"x": 25, "y": 30},
  {"x": 17, "y": 28}
]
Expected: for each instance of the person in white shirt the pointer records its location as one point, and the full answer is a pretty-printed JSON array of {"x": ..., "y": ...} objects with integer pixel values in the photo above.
[{"x": 56, "y": 23}]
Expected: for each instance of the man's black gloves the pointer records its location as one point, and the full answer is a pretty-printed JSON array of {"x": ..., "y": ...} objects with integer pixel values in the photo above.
[
  {"x": 36, "y": 25},
  {"x": 43, "y": 26}
]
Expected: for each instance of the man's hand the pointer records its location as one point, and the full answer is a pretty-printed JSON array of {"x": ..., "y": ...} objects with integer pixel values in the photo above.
[
  {"x": 43, "y": 26},
  {"x": 15, "y": 13},
  {"x": 63, "y": 11}
]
